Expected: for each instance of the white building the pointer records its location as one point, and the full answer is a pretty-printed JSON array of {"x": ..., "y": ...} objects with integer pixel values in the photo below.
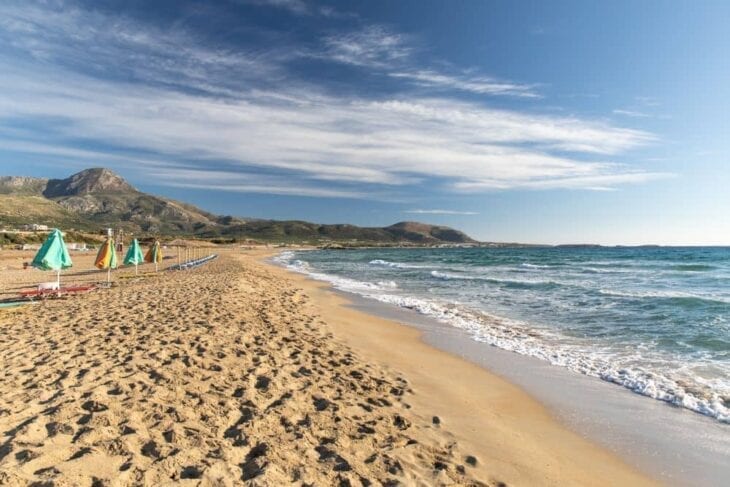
[
  {"x": 34, "y": 227},
  {"x": 76, "y": 246}
]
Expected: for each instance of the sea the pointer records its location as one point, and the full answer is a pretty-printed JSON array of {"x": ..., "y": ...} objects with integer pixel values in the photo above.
[{"x": 654, "y": 320}]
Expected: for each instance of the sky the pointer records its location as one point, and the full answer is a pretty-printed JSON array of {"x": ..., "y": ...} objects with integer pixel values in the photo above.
[{"x": 528, "y": 121}]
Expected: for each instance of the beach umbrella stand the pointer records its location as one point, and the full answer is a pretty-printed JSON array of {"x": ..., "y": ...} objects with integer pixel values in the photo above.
[
  {"x": 134, "y": 255},
  {"x": 107, "y": 258},
  {"x": 154, "y": 254},
  {"x": 53, "y": 255}
]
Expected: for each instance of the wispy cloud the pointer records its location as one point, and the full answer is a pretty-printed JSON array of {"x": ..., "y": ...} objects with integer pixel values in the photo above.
[
  {"x": 592, "y": 182},
  {"x": 241, "y": 182},
  {"x": 181, "y": 98},
  {"x": 631, "y": 113},
  {"x": 373, "y": 46},
  {"x": 440, "y": 212},
  {"x": 477, "y": 84},
  {"x": 376, "y": 47}
]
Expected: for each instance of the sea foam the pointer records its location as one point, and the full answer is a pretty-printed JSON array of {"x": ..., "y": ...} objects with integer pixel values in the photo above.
[{"x": 666, "y": 382}]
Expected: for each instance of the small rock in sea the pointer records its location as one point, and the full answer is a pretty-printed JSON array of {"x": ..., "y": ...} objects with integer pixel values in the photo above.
[{"x": 436, "y": 420}]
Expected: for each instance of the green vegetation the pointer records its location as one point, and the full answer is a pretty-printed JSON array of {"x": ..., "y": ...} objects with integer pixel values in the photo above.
[{"x": 94, "y": 199}]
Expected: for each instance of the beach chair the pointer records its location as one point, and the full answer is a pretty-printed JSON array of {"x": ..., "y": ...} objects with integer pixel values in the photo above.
[{"x": 47, "y": 291}]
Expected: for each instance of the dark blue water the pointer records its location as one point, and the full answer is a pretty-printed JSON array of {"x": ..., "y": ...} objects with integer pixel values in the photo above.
[{"x": 654, "y": 320}]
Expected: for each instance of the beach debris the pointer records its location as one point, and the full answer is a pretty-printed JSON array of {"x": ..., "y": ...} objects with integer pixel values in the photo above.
[{"x": 400, "y": 422}]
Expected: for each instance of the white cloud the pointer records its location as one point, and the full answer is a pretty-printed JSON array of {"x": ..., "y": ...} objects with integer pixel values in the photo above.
[
  {"x": 482, "y": 85},
  {"x": 440, "y": 212},
  {"x": 373, "y": 46},
  {"x": 632, "y": 113},
  {"x": 247, "y": 183},
  {"x": 203, "y": 105},
  {"x": 596, "y": 182},
  {"x": 376, "y": 47}
]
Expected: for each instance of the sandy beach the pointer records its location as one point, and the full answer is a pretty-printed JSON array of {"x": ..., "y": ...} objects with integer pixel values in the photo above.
[{"x": 239, "y": 372}]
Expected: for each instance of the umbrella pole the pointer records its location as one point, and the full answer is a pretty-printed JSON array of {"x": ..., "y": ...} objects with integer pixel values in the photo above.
[
  {"x": 109, "y": 275},
  {"x": 135, "y": 268}
]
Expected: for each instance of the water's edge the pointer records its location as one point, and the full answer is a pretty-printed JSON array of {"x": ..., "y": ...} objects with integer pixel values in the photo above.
[
  {"x": 633, "y": 364},
  {"x": 674, "y": 445}
]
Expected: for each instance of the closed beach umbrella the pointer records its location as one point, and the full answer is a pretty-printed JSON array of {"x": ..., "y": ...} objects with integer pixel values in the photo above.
[
  {"x": 53, "y": 255},
  {"x": 134, "y": 255},
  {"x": 107, "y": 258},
  {"x": 154, "y": 254}
]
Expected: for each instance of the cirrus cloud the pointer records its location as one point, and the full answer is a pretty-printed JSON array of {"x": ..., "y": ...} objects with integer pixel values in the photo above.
[{"x": 196, "y": 105}]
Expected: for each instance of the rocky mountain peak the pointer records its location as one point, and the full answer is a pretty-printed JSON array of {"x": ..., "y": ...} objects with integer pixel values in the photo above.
[{"x": 88, "y": 181}]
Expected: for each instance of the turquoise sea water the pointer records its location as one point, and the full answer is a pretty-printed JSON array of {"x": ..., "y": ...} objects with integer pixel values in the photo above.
[{"x": 654, "y": 320}]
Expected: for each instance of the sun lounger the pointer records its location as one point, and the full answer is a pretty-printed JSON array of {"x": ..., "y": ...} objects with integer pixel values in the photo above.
[
  {"x": 13, "y": 304},
  {"x": 192, "y": 263},
  {"x": 44, "y": 293}
]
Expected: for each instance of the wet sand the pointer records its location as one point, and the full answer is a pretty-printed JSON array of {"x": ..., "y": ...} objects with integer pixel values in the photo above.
[{"x": 238, "y": 372}]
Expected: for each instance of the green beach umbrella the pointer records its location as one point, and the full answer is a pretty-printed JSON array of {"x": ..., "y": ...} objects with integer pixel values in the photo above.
[
  {"x": 53, "y": 255},
  {"x": 134, "y": 255}
]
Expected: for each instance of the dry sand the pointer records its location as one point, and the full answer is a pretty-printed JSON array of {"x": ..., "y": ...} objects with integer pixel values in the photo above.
[{"x": 238, "y": 372}]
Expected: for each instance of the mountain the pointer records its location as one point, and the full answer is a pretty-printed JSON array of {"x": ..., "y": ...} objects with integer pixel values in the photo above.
[
  {"x": 102, "y": 198},
  {"x": 424, "y": 233},
  {"x": 88, "y": 181},
  {"x": 97, "y": 198},
  {"x": 19, "y": 185}
]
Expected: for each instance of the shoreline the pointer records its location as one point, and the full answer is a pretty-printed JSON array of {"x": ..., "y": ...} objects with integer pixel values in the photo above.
[
  {"x": 673, "y": 445},
  {"x": 516, "y": 434},
  {"x": 270, "y": 374}
]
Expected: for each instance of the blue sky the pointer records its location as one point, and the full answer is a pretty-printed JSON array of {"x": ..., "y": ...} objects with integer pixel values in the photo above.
[{"x": 551, "y": 122}]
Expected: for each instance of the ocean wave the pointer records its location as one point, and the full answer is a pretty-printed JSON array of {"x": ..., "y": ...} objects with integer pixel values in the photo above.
[
  {"x": 598, "y": 270},
  {"x": 342, "y": 283},
  {"x": 518, "y": 337},
  {"x": 668, "y": 383},
  {"x": 510, "y": 283},
  {"x": 447, "y": 276},
  {"x": 283, "y": 258},
  {"x": 397, "y": 265},
  {"x": 675, "y": 296}
]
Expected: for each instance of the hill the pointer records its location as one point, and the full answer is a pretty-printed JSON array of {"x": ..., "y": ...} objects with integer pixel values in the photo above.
[
  {"x": 97, "y": 198},
  {"x": 301, "y": 231}
]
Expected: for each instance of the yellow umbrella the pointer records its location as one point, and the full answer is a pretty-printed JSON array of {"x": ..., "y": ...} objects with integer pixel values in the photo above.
[
  {"x": 154, "y": 254},
  {"x": 107, "y": 258}
]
